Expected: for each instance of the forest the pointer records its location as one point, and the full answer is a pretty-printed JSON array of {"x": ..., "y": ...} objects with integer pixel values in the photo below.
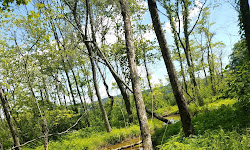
[{"x": 124, "y": 74}]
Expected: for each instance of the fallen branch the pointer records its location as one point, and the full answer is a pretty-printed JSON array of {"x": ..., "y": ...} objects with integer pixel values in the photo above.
[
  {"x": 128, "y": 146},
  {"x": 158, "y": 117},
  {"x": 66, "y": 131}
]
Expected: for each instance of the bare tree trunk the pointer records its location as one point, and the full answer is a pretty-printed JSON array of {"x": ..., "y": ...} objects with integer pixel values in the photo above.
[
  {"x": 147, "y": 73},
  {"x": 64, "y": 98},
  {"x": 187, "y": 51},
  {"x": 141, "y": 112},
  {"x": 177, "y": 90},
  {"x": 104, "y": 115},
  {"x": 245, "y": 20},
  {"x": 76, "y": 82},
  {"x": 1, "y": 147},
  {"x": 42, "y": 114},
  {"x": 8, "y": 118},
  {"x": 70, "y": 86},
  {"x": 85, "y": 108},
  {"x": 57, "y": 90},
  {"x": 202, "y": 61},
  {"x": 90, "y": 93},
  {"x": 46, "y": 91},
  {"x": 210, "y": 64},
  {"x": 107, "y": 90}
]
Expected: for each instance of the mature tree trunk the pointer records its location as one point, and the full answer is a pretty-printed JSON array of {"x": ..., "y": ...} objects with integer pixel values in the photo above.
[
  {"x": 177, "y": 90},
  {"x": 8, "y": 118},
  {"x": 145, "y": 132},
  {"x": 121, "y": 87},
  {"x": 245, "y": 20}
]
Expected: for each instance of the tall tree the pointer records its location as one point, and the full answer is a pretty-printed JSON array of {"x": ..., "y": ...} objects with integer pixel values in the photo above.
[
  {"x": 8, "y": 118},
  {"x": 177, "y": 90},
  {"x": 245, "y": 21},
  {"x": 145, "y": 132}
]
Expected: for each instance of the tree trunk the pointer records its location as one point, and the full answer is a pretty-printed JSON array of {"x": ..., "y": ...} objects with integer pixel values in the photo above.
[
  {"x": 245, "y": 20},
  {"x": 145, "y": 132},
  {"x": 187, "y": 51},
  {"x": 70, "y": 86},
  {"x": 58, "y": 91},
  {"x": 90, "y": 93},
  {"x": 8, "y": 118},
  {"x": 177, "y": 90},
  {"x": 46, "y": 91},
  {"x": 104, "y": 115},
  {"x": 86, "y": 109},
  {"x": 1, "y": 147},
  {"x": 76, "y": 82},
  {"x": 42, "y": 114},
  {"x": 107, "y": 90}
]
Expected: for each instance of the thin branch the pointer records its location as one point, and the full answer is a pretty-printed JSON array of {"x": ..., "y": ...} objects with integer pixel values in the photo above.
[{"x": 198, "y": 18}]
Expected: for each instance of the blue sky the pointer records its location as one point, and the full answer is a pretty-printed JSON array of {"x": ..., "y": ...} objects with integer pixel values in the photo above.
[{"x": 226, "y": 28}]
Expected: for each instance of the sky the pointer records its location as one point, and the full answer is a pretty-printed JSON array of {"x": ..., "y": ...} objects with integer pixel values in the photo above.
[{"x": 226, "y": 28}]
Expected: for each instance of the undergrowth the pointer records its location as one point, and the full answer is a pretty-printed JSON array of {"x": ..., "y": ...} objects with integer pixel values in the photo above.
[
  {"x": 223, "y": 124},
  {"x": 87, "y": 139}
]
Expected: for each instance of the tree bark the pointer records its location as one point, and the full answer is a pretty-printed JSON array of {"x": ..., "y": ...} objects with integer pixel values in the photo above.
[
  {"x": 107, "y": 90},
  {"x": 145, "y": 132},
  {"x": 70, "y": 86},
  {"x": 177, "y": 90},
  {"x": 187, "y": 51},
  {"x": 90, "y": 93},
  {"x": 8, "y": 118},
  {"x": 104, "y": 115},
  {"x": 58, "y": 91},
  {"x": 76, "y": 82},
  {"x": 86, "y": 109},
  {"x": 1, "y": 147},
  {"x": 245, "y": 20},
  {"x": 42, "y": 114}
]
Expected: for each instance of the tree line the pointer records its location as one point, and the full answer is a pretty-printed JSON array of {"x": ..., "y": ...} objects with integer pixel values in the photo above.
[{"x": 57, "y": 52}]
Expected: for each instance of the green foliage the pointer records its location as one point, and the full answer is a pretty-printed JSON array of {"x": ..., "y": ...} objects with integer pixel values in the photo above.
[
  {"x": 239, "y": 72},
  {"x": 91, "y": 139},
  {"x": 217, "y": 121},
  {"x": 215, "y": 140}
]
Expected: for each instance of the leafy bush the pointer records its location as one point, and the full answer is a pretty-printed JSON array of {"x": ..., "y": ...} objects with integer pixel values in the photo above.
[
  {"x": 214, "y": 140},
  {"x": 216, "y": 117}
]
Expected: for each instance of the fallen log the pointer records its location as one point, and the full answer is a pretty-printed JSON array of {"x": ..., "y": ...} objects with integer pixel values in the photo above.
[
  {"x": 128, "y": 146},
  {"x": 158, "y": 116}
]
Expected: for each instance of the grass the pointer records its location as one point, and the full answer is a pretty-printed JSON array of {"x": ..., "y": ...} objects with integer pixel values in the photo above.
[
  {"x": 83, "y": 139},
  {"x": 223, "y": 124}
]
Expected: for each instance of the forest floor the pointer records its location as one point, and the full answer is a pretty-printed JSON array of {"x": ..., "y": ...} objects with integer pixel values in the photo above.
[{"x": 222, "y": 124}]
